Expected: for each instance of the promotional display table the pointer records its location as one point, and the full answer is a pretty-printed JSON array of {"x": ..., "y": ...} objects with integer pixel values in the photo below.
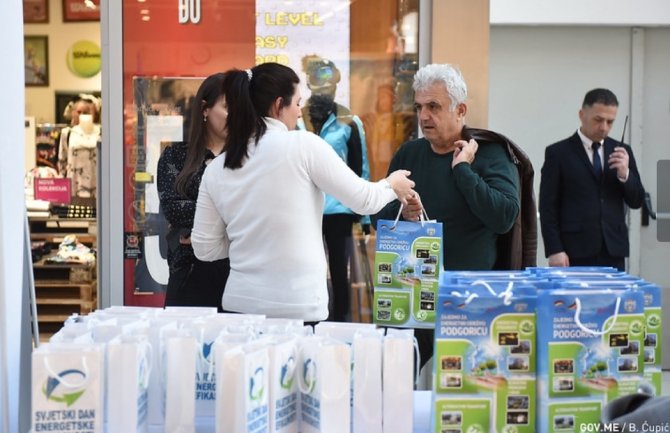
[{"x": 421, "y": 417}]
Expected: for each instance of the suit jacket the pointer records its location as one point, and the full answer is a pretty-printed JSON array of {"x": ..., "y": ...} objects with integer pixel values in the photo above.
[{"x": 578, "y": 212}]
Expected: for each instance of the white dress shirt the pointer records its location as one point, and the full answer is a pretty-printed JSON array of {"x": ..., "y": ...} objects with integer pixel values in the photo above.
[
  {"x": 588, "y": 143},
  {"x": 266, "y": 216}
]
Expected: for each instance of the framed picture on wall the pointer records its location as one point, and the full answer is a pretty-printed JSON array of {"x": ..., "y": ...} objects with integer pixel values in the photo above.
[
  {"x": 36, "y": 57},
  {"x": 81, "y": 10},
  {"x": 35, "y": 11}
]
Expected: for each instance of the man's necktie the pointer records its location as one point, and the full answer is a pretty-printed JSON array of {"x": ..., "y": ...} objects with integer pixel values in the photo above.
[{"x": 597, "y": 164}]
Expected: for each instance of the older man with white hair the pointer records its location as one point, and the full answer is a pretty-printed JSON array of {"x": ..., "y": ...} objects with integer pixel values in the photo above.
[{"x": 465, "y": 178}]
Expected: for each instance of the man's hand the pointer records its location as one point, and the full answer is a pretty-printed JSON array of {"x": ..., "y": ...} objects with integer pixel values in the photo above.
[
  {"x": 366, "y": 232},
  {"x": 412, "y": 210},
  {"x": 619, "y": 160},
  {"x": 465, "y": 152},
  {"x": 559, "y": 260}
]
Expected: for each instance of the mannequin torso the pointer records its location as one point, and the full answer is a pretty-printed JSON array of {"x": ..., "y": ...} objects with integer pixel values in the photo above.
[{"x": 78, "y": 147}]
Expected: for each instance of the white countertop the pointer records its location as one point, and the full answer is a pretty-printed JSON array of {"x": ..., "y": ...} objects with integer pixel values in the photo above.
[{"x": 421, "y": 417}]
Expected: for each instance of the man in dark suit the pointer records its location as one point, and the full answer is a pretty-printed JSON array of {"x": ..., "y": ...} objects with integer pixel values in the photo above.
[{"x": 587, "y": 181}]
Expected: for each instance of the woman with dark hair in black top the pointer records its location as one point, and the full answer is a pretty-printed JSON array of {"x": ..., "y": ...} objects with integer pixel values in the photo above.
[{"x": 180, "y": 168}]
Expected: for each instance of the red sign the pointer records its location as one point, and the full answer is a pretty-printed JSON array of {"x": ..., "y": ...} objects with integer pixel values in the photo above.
[
  {"x": 166, "y": 43},
  {"x": 54, "y": 190}
]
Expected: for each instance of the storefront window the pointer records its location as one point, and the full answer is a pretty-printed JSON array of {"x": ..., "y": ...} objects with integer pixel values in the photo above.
[
  {"x": 367, "y": 49},
  {"x": 384, "y": 57}
]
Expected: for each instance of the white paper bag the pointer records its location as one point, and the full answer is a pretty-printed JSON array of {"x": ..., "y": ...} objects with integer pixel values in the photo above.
[
  {"x": 105, "y": 331},
  {"x": 224, "y": 406},
  {"x": 278, "y": 326},
  {"x": 398, "y": 381},
  {"x": 192, "y": 311},
  {"x": 243, "y": 378},
  {"x": 179, "y": 361},
  {"x": 283, "y": 386},
  {"x": 67, "y": 388},
  {"x": 72, "y": 332},
  {"x": 324, "y": 380},
  {"x": 128, "y": 369},
  {"x": 342, "y": 331},
  {"x": 367, "y": 381},
  {"x": 206, "y": 331},
  {"x": 135, "y": 312},
  {"x": 158, "y": 327}
]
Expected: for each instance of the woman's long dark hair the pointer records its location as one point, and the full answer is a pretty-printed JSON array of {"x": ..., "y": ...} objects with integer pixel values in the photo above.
[
  {"x": 208, "y": 94},
  {"x": 251, "y": 99}
]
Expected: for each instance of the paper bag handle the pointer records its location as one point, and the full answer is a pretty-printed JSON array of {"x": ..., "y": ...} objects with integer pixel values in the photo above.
[
  {"x": 417, "y": 353},
  {"x": 423, "y": 217},
  {"x": 505, "y": 294},
  {"x": 148, "y": 356},
  {"x": 292, "y": 364},
  {"x": 65, "y": 383},
  {"x": 301, "y": 381},
  {"x": 308, "y": 390},
  {"x": 294, "y": 357},
  {"x": 578, "y": 311},
  {"x": 468, "y": 296},
  {"x": 201, "y": 355}
]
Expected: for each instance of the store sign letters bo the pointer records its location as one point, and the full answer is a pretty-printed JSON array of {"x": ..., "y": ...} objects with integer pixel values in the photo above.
[{"x": 189, "y": 11}]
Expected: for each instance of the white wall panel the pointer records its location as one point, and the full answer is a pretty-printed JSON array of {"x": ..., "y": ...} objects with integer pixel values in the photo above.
[
  {"x": 581, "y": 12},
  {"x": 538, "y": 78}
]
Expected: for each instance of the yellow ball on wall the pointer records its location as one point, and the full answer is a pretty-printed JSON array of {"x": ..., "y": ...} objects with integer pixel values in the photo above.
[{"x": 83, "y": 59}]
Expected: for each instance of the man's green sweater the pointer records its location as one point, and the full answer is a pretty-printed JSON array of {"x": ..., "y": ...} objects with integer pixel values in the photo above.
[{"x": 475, "y": 203}]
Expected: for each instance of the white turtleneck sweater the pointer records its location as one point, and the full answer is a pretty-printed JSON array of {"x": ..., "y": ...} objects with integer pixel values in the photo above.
[{"x": 266, "y": 216}]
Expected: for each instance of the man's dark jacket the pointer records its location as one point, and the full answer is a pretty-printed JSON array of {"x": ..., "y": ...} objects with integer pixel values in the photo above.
[{"x": 517, "y": 248}]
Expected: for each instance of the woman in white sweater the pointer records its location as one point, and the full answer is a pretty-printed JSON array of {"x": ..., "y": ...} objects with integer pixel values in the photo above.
[{"x": 261, "y": 201}]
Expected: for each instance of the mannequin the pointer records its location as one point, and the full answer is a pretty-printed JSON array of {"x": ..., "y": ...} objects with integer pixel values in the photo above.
[
  {"x": 344, "y": 132},
  {"x": 79, "y": 150},
  {"x": 83, "y": 104}
]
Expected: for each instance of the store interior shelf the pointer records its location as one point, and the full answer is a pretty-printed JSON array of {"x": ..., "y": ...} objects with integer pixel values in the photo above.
[
  {"x": 54, "y": 229},
  {"x": 62, "y": 288}
]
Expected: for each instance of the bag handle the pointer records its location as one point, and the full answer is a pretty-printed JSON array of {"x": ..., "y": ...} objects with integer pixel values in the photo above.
[
  {"x": 469, "y": 296},
  {"x": 423, "y": 217},
  {"x": 300, "y": 360},
  {"x": 506, "y": 294},
  {"x": 61, "y": 380},
  {"x": 201, "y": 355},
  {"x": 147, "y": 355},
  {"x": 292, "y": 364},
  {"x": 308, "y": 390},
  {"x": 578, "y": 311},
  {"x": 417, "y": 353},
  {"x": 301, "y": 381}
]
